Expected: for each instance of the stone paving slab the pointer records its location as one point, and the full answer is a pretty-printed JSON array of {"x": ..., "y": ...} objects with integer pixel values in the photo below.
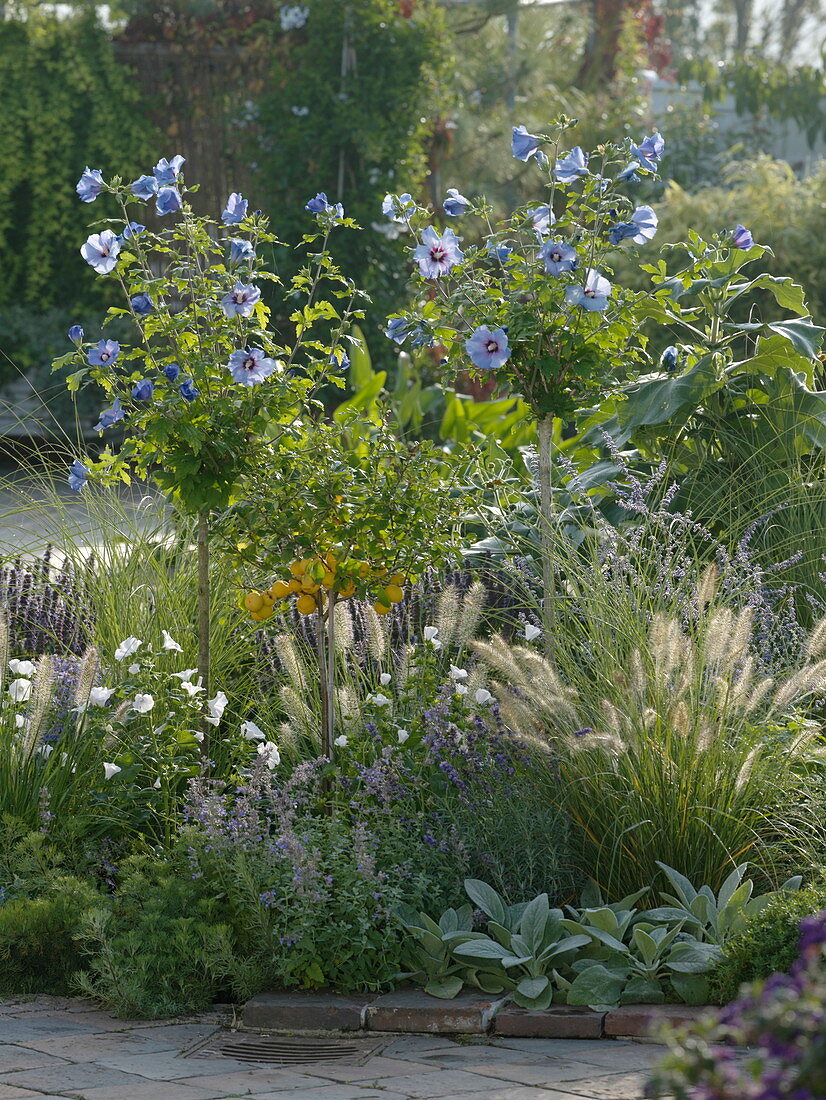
[{"x": 50, "y": 1051}]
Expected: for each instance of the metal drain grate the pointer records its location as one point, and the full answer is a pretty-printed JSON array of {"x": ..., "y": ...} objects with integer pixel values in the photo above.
[
  {"x": 283, "y": 1051},
  {"x": 289, "y": 1052}
]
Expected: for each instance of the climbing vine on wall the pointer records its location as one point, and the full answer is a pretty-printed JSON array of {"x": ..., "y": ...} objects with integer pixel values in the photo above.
[
  {"x": 66, "y": 104},
  {"x": 348, "y": 109}
]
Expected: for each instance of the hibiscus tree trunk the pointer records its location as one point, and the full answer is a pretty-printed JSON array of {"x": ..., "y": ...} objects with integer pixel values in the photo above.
[{"x": 546, "y": 533}]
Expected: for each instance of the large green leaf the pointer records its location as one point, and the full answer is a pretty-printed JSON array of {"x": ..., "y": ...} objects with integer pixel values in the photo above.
[
  {"x": 446, "y": 988},
  {"x": 803, "y": 335},
  {"x": 773, "y": 353},
  {"x": 691, "y": 957},
  {"x": 792, "y": 395},
  {"x": 661, "y": 399},
  {"x": 361, "y": 365},
  {"x": 691, "y": 988},
  {"x": 534, "y": 993},
  {"x": 486, "y": 899},
  {"x": 532, "y": 925},
  {"x": 482, "y": 949},
  {"x": 642, "y": 991},
  {"x": 596, "y": 987},
  {"x": 787, "y": 293}
]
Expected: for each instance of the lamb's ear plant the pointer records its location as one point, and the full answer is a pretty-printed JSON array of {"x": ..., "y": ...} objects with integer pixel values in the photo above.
[
  {"x": 206, "y": 378},
  {"x": 428, "y": 959},
  {"x": 714, "y": 918},
  {"x": 533, "y": 940}
]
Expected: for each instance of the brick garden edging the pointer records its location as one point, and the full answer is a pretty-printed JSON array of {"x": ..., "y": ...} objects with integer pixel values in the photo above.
[{"x": 410, "y": 1010}]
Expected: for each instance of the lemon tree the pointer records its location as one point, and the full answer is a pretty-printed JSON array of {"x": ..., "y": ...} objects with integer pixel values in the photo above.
[{"x": 348, "y": 511}]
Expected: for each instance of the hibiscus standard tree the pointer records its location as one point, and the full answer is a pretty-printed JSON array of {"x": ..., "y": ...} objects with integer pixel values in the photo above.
[
  {"x": 206, "y": 379},
  {"x": 534, "y": 303}
]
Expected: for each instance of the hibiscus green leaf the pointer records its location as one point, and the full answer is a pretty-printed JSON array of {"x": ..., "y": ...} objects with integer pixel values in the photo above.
[
  {"x": 361, "y": 366},
  {"x": 659, "y": 400},
  {"x": 803, "y": 335},
  {"x": 787, "y": 293}
]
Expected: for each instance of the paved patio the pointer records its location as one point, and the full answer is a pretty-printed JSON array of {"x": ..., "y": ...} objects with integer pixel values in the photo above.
[{"x": 54, "y": 1047}]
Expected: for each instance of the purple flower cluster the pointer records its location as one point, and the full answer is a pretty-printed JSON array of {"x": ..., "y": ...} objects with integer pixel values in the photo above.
[
  {"x": 782, "y": 1021},
  {"x": 47, "y": 610}
]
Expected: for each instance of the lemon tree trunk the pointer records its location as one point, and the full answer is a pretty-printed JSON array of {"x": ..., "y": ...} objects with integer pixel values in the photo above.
[{"x": 203, "y": 611}]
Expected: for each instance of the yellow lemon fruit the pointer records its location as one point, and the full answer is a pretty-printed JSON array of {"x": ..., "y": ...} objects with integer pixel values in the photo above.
[
  {"x": 299, "y": 568},
  {"x": 268, "y": 598},
  {"x": 398, "y": 578},
  {"x": 253, "y": 601},
  {"x": 331, "y": 560},
  {"x": 309, "y": 585},
  {"x": 305, "y": 604},
  {"x": 263, "y": 614},
  {"x": 280, "y": 590},
  {"x": 347, "y": 591},
  {"x": 329, "y": 579},
  {"x": 294, "y": 585},
  {"x": 380, "y": 608},
  {"x": 394, "y": 593}
]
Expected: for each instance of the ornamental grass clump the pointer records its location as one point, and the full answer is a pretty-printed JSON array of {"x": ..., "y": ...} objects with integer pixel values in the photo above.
[{"x": 689, "y": 755}]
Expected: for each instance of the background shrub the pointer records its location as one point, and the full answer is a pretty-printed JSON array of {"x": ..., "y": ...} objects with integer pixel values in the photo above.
[
  {"x": 769, "y": 943},
  {"x": 38, "y": 949}
]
